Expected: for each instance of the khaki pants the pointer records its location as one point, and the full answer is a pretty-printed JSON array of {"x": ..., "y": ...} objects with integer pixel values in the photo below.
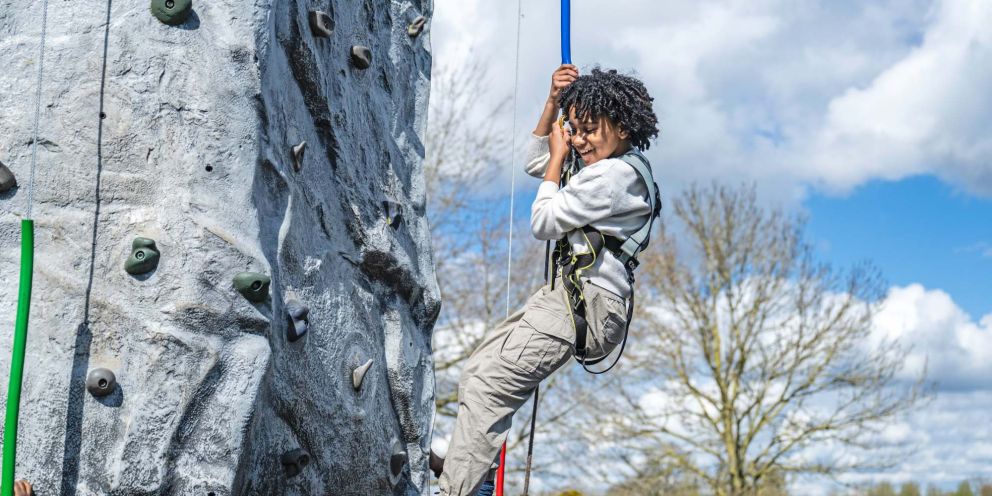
[{"x": 512, "y": 360}]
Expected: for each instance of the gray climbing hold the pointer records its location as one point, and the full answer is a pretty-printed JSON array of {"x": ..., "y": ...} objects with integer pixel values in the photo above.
[
  {"x": 397, "y": 461},
  {"x": 416, "y": 26},
  {"x": 172, "y": 12},
  {"x": 294, "y": 461},
  {"x": 358, "y": 375},
  {"x": 144, "y": 256},
  {"x": 321, "y": 24},
  {"x": 7, "y": 179},
  {"x": 298, "y": 155},
  {"x": 252, "y": 285},
  {"x": 361, "y": 56},
  {"x": 298, "y": 321},
  {"x": 101, "y": 382},
  {"x": 394, "y": 213},
  {"x": 354, "y": 258}
]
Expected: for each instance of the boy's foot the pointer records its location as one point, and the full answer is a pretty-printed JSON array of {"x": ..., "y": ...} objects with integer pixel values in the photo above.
[{"x": 437, "y": 464}]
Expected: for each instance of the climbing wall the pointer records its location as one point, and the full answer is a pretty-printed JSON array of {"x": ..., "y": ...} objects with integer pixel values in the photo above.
[{"x": 233, "y": 290}]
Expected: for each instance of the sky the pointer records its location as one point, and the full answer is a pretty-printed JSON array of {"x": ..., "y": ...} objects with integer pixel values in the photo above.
[{"x": 870, "y": 118}]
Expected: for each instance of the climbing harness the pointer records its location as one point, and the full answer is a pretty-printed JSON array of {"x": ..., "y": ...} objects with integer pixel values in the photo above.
[
  {"x": 23, "y": 295},
  {"x": 573, "y": 265}
]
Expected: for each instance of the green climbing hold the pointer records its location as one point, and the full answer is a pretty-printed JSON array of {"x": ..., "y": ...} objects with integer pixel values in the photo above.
[
  {"x": 361, "y": 56},
  {"x": 7, "y": 179},
  {"x": 100, "y": 382},
  {"x": 144, "y": 257},
  {"x": 172, "y": 12},
  {"x": 321, "y": 24},
  {"x": 294, "y": 461},
  {"x": 416, "y": 26},
  {"x": 252, "y": 285}
]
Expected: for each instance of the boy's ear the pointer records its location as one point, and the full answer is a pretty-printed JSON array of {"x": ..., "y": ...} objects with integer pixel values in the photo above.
[{"x": 623, "y": 134}]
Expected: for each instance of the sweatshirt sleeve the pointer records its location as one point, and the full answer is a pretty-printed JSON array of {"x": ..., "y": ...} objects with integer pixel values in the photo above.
[
  {"x": 537, "y": 155},
  {"x": 587, "y": 198}
]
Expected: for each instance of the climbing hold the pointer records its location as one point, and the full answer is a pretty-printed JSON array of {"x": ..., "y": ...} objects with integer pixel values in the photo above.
[
  {"x": 144, "y": 256},
  {"x": 321, "y": 24},
  {"x": 7, "y": 179},
  {"x": 298, "y": 322},
  {"x": 294, "y": 461},
  {"x": 358, "y": 375},
  {"x": 172, "y": 12},
  {"x": 252, "y": 285},
  {"x": 101, "y": 382},
  {"x": 396, "y": 462},
  {"x": 394, "y": 213},
  {"x": 416, "y": 26},
  {"x": 298, "y": 155},
  {"x": 361, "y": 56},
  {"x": 354, "y": 258}
]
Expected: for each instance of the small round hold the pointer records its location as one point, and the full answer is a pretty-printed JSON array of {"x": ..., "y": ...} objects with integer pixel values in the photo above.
[
  {"x": 7, "y": 179},
  {"x": 252, "y": 285},
  {"x": 321, "y": 24},
  {"x": 361, "y": 56},
  {"x": 416, "y": 26},
  {"x": 293, "y": 462},
  {"x": 101, "y": 382},
  {"x": 144, "y": 256},
  {"x": 298, "y": 321},
  {"x": 172, "y": 12}
]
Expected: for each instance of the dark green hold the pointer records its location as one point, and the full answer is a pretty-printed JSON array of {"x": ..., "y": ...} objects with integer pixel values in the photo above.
[
  {"x": 252, "y": 285},
  {"x": 101, "y": 382},
  {"x": 416, "y": 26},
  {"x": 7, "y": 179},
  {"x": 361, "y": 57},
  {"x": 293, "y": 462},
  {"x": 172, "y": 12},
  {"x": 144, "y": 257}
]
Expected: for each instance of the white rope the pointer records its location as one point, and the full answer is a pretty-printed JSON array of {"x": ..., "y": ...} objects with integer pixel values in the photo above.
[
  {"x": 37, "y": 106},
  {"x": 513, "y": 161}
]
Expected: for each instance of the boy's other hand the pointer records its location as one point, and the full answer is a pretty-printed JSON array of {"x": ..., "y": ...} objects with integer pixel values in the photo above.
[
  {"x": 561, "y": 78},
  {"x": 23, "y": 488},
  {"x": 558, "y": 143}
]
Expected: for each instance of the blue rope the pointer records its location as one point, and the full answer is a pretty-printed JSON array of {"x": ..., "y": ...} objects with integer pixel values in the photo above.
[{"x": 566, "y": 38}]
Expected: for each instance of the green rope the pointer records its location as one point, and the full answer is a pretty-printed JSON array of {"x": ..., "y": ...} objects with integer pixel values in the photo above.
[{"x": 17, "y": 358}]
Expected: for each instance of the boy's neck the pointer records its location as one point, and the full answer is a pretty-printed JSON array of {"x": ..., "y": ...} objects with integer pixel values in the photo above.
[{"x": 622, "y": 149}]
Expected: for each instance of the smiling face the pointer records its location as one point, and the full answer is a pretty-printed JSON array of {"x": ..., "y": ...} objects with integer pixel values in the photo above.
[{"x": 596, "y": 139}]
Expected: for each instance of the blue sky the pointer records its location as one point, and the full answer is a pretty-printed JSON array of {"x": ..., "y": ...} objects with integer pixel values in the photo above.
[
  {"x": 871, "y": 118},
  {"x": 917, "y": 230}
]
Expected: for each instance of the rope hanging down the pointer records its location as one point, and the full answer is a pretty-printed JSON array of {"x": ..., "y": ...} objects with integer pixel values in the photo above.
[
  {"x": 500, "y": 474},
  {"x": 23, "y": 294}
]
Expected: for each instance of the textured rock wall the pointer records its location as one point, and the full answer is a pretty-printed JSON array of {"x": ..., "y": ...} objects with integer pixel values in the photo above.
[{"x": 194, "y": 150}]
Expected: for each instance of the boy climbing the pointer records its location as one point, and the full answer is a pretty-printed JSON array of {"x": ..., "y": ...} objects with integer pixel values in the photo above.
[{"x": 586, "y": 314}]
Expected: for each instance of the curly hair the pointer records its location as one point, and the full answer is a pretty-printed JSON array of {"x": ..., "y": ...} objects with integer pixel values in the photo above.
[{"x": 621, "y": 98}]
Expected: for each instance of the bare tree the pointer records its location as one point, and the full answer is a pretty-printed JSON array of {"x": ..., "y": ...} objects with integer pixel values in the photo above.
[{"x": 753, "y": 352}]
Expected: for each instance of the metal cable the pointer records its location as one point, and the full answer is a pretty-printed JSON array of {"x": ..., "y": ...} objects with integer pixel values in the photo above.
[
  {"x": 37, "y": 105},
  {"x": 513, "y": 151}
]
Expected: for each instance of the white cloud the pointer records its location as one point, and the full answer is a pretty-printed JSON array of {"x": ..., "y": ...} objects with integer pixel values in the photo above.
[
  {"x": 829, "y": 94},
  {"x": 956, "y": 349}
]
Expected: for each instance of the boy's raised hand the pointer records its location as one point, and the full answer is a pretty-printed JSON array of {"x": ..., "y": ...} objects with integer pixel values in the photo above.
[{"x": 562, "y": 77}]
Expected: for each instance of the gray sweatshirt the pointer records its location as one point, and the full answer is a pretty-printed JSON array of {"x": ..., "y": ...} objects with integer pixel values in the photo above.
[{"x": 608, "y": 195}]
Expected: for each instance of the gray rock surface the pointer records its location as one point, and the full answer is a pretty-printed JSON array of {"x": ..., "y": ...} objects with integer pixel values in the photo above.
[{"x": 195, "y": 151}]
